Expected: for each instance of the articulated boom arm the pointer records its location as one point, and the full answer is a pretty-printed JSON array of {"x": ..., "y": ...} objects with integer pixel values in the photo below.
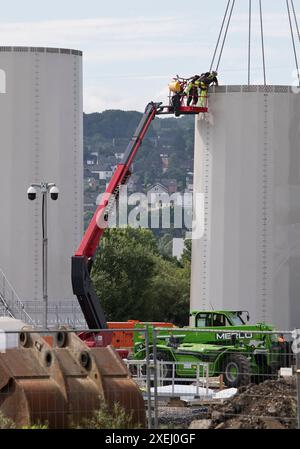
[{"x": 83, "y": 258}]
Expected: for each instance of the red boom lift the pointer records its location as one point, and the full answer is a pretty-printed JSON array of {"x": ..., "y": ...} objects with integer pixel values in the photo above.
[{"x": 83, "y": 258}]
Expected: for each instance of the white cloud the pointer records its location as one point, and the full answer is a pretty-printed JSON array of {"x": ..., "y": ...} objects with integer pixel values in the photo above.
[
  {"x": 97, "y": 98},
  {"x": 112, "y": 30},
  {"x": 109, "y": 39},
  {"x": 275, "y": 25}
]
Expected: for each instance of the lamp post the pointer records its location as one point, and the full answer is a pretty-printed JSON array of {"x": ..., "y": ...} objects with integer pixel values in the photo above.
[{"x": 45, "y": 188}]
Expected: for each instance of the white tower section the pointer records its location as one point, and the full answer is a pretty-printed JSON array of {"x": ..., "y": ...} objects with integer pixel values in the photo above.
[
  {"x": 40, "y": 140},
  {"x": 247, "y": 166}
]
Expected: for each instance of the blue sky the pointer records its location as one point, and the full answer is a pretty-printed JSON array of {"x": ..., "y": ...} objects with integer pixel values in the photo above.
[{"x": 132, "y": 48}]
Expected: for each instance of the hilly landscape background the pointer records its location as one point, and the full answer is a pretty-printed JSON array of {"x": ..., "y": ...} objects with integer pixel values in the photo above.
[
  {"x": 138, "y": 263},
  {"x": 109, "y": 132}
]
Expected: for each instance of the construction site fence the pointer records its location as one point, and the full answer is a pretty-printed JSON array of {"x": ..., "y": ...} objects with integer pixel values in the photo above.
[{"x": 190, "y": 390}]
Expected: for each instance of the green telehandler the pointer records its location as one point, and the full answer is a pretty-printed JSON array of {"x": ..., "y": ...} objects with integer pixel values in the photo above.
[{"x": 225, "y": 341}]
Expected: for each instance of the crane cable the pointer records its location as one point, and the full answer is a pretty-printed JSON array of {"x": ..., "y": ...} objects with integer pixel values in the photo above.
[
  {"x": 219, "y": 37},
  {"x": 295, "y": 18},
  {"x": 225, "y": 35},
  {"x": 262, "y": 42},
  {"x": 293, "y": 40},
  {"x": 249, "y": 42},
  {"x": 249, "y": 37}
]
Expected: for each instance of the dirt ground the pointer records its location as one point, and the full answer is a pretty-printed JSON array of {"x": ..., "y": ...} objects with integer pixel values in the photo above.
[{"x": 268, "y": 405}]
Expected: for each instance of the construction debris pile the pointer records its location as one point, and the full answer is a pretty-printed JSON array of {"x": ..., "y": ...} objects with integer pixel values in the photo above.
[{"x": 269, "y": 405}]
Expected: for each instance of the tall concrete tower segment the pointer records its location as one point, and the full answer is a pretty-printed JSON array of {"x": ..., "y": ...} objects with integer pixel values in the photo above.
[
  {"x": 247, "y": 166},
  {"x": 40, "y": 140}
]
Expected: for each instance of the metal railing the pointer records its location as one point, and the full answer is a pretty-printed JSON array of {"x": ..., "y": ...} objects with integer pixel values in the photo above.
[
  {"x": 11, "y": 304},
  {"x": 65, "y": 312},
  {"x": 138, "y": 370}
]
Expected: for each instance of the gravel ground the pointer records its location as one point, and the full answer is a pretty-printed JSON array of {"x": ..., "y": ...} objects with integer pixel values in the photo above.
[{"x": 180, "y": 417}]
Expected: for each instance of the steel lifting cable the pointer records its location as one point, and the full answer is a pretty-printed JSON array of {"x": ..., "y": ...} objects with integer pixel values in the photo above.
[
  {"x": 225, "y": 35},
  {"x": 293, "y": 40},
  {"x": 295, "y": 18},
  {"x": 262, "y": 42},
  {"x": 219, "y": 37},
  {"x": 249, "y": 42}
]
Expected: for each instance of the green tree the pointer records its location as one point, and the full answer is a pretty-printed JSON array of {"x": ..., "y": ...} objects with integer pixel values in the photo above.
[
  {"x": 133, "y": 281},
  {"x": 122, "y": 272},
  {"x": 186, "y": 257},
  {"x": 165, "y": 245},
  {"x": 169, "y": 293}
]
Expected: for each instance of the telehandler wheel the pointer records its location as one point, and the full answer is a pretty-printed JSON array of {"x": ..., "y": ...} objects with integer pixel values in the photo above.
[
  {"x": 236, "y": 370},
  {"x": 166, "y": 369}
]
